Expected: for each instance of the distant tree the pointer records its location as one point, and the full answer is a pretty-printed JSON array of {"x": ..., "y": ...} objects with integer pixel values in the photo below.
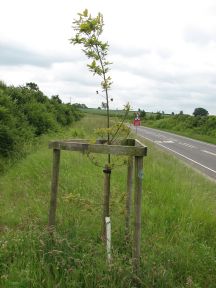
[
  {"x": 200, "y": 112},
  {"x": 78, "y": 105},
  {"x": 173, "y": 113},
  {"x": 56, "y": 98},
  {"x": 142, "y": 113},
  {"x": 181, "y": 112},
  {"x": 158, "y": 115},
  {"x": 32, "y": 86},
  {"x": 2, "y": 84}
]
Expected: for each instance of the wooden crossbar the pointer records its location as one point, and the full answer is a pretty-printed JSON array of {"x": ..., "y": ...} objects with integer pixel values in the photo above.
[{"x": 138, "y": 149}]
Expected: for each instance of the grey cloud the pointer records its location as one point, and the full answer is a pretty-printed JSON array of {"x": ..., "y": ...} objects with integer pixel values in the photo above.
[
  {"x": 174, "y": 92},
  {"x": 74, "y": 93},
  {"x": 128, "y": 51},
  {"x": 170, "y": 77},
  {"x": 186, "y": 97},
  {"x": 199, "y": 36},
  {"x": 148, "y": 73},
  {"x": 164, "y": 53},
  {"x": 79, "y": 78},
  {"x": 12, "y": 55},
  {"x": 187, "y": 90},
  {"x": 82, "y": 81},
  {"x": 134, "y": 51}
]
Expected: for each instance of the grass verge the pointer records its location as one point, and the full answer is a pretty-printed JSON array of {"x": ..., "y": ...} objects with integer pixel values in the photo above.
[
  {"x": 197, "y": 133},
  {"x": 178, "y": 223}
]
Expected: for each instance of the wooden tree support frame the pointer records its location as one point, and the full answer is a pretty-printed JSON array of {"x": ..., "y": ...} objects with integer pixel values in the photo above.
[{"x": 135, "y": 151}]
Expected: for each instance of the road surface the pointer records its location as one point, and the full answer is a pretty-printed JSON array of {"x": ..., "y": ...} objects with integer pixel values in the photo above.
[{"x": 199, "y": 155}]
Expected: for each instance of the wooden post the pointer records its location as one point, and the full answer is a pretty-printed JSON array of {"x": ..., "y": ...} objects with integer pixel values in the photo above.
[
  {"x": 128, "y": 197},
  {"x": 54, "y": 187},
  {"x": 106, "y": 201},
  {"x": 137, "y": 211}
]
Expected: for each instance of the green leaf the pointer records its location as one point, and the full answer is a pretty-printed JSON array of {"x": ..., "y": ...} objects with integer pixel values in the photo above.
[
  {"x": 84, "y": 27},
  {"x": 85, "y": 13}
]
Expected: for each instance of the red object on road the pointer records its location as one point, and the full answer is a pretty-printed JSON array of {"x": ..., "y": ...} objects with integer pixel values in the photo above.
[{"x": 137, "y": 122}]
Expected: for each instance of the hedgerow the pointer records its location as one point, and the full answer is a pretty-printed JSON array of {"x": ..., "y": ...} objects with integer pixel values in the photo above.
[{"x": 26, "y": 113}]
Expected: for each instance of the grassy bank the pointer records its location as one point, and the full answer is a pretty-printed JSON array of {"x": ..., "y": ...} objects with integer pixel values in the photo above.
[
  {"x": 201, "y": 128},
  {"x": 178, "y": 223},
  {"x": 103, "y": 112}
]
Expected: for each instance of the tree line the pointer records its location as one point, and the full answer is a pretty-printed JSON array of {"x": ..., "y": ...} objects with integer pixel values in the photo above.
[
  {"x": 26, "y": 113},
  {"x": 200, "y": 123}
]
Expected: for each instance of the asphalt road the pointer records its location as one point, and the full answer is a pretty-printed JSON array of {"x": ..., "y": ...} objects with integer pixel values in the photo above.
[{"x": 200, "y": 155}]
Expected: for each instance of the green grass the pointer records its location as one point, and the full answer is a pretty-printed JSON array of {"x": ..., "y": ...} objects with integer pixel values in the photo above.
[
  {"x": 199, "y": 128},
  {"x": 178, "y": 222},
  {"x": 103, "y": 112},
  {"x": 196, "y": 136}
]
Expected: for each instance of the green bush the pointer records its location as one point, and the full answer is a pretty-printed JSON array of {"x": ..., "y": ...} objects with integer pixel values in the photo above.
[
  {"x": 39, "y": 118},
  {"x": 25, "y": 112},
  {"x": 7, "y": 140}
]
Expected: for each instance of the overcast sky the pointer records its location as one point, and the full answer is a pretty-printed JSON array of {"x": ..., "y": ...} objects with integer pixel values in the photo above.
[{"x": 163, "y": 51}]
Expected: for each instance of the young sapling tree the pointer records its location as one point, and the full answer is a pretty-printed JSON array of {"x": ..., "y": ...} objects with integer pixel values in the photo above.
[
  {"x": 88, "y": 31},
  {"x": 88, "y": 35}
]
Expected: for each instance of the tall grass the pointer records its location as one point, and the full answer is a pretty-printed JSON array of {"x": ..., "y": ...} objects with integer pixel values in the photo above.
[{"x": 178, "y": 223}]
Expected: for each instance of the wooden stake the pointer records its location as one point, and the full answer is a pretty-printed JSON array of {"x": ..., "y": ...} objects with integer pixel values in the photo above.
[
  {"x": 106, "y": 202},
  {"x": 129, "y": 198},
  {"x": 137, "y": 211},
  {"x": 54, "y": 187}
]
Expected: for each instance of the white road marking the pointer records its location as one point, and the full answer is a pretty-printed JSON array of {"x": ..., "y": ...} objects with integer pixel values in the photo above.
[
  {"x": 183, "y": 156},
  {"x": 163, "y": 141},
  {"x": 187, "y": 145},
  {"x": 208, "y": 152},
  {"x": 147, "y": 129}
]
